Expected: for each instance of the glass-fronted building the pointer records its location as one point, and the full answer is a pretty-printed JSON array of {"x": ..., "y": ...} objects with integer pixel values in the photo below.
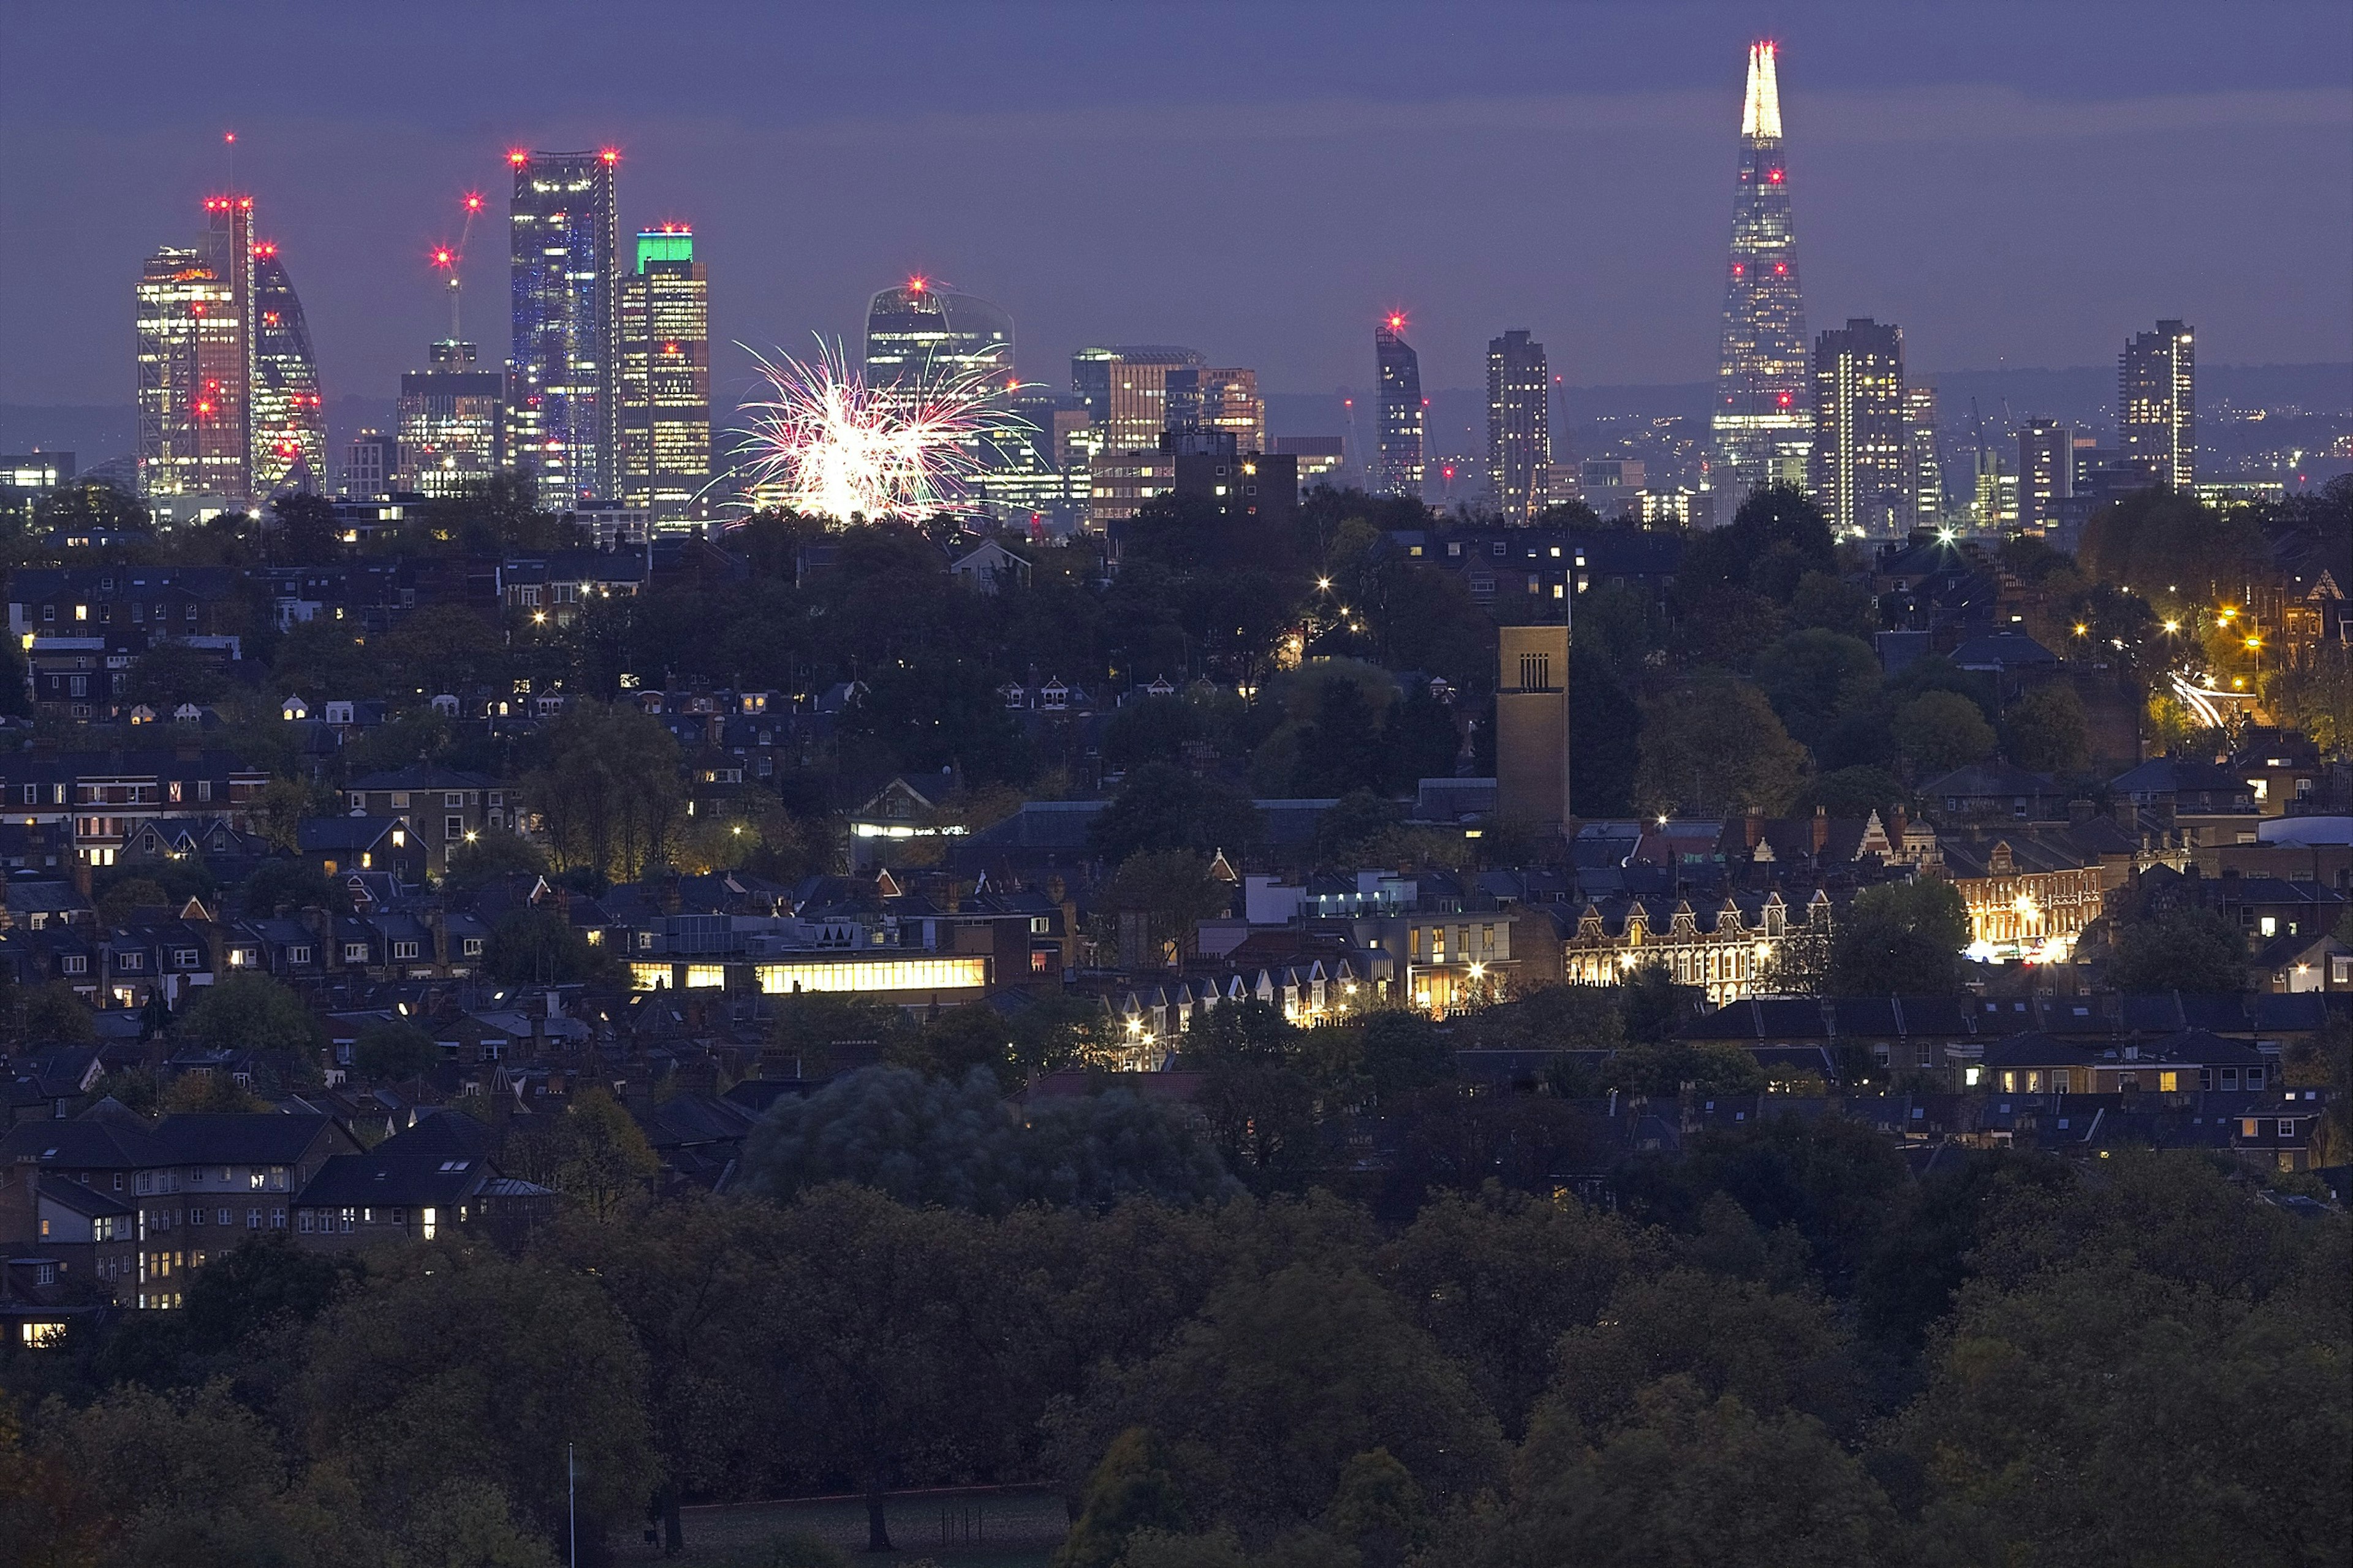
[
  {"x": 194, "y": 324},
  {"x": 665, "y": 380},
  {"x": 917, "y": 333},
  {"x": 1125, "y": 390},
  {"x": 1762, "y": 424},
  {"x": 1397, "y": 469},
  {"x": 453, "y": 424},
  {"x": 289, "y": 418},
  {"x": 565, "y": 239}
]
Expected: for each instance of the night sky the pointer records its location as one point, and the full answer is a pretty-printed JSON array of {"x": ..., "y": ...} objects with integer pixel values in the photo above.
[{"x": 2015, "y": 185}]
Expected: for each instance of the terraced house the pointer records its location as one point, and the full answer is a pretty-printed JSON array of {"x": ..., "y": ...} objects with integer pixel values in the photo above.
[
  {"x": 106, "y": 798},
  {"x": 1726, "y": 952}
]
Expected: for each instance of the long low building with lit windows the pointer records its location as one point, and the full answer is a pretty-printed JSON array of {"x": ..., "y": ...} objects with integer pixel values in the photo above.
[{"x": 893, "y": 973}]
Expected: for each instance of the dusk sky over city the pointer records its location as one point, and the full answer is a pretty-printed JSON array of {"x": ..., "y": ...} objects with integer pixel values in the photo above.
[
  {"x": 2015, "y": 185},
  {"x": 1275, "y": 785}
]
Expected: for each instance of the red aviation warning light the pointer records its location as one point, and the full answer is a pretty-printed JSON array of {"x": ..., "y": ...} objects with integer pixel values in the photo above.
[
  {"x": 610, "y": 155},
  {"x": 518, "y": 157},
  {"x": 473, "y": 201},
  {"x": 1774, "y": 177},
  {"x": 265, "y": 248},
  {"x": 1397, "y": 320},
  {"x": 444, "y": 256},
  {"x": 917, "y": 284},
  {"x": 1785, "y": 400}
]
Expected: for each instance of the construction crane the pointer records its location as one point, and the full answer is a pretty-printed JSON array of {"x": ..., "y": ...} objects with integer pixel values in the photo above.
[{"x": 452, "y": 259}]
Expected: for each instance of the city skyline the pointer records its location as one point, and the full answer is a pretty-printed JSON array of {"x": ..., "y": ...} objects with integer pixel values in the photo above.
[{"x": 1895, "y": 131}]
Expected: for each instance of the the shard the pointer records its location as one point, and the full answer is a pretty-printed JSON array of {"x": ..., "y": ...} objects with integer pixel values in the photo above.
[{"x": 1763, "y": 425}]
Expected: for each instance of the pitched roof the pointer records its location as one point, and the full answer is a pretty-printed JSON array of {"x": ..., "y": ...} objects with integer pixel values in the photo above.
[
  {"x": 241, "y": 1137},
  {"x": 442, "y": 1134},
  {"x": 421, "y": 775},
  {"x": 357, "y": 1180},
  {"x": 84, "y": 1143},
  {"x": 313, "y": 834}
]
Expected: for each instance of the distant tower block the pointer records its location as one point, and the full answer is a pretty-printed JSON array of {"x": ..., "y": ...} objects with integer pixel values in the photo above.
[{"x": 1531, "y": 728}]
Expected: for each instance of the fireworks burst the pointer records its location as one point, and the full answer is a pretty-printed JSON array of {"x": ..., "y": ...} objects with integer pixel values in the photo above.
[{"x": 828, "y": 445}]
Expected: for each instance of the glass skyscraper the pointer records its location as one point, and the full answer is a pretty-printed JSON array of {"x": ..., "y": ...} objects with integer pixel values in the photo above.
[
  {"x": 1762, "y": 424},
  {"x": 1519, "y": 425},
  {"x": 566, "y": 239},
  {"x": 290, "y": 421},
  {"x": 194, "y": 327},
  {"x": 452, "y": 425},
  {"x": 917, "y": 332},
  {"x": 1862, "y": 454},
  {"x": 665, "y": 381},
  {"x": 2157, "y": 403},
  {"x": 1398, "y": 468}
]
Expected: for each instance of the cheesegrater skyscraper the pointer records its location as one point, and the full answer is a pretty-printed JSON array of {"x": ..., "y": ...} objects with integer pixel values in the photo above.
[{"x": 1763, "y": 425}]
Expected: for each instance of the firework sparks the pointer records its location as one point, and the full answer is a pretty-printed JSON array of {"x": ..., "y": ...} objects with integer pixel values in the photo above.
[{"x": 828, "y": 445}]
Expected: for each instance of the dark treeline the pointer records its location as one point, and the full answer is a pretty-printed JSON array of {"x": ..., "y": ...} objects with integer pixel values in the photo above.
[{"x": 1780, "y": 1345}]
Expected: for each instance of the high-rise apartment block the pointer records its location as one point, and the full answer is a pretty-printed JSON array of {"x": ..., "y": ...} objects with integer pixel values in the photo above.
[
  {"x": 1926, "y": 468},
  {"x": 452, "y": 423},
  {"x": 1519, "y": 425},
  {"x": 2157, "y": 403},
  {"x": 664, "y": 387},
  {"x": 1398, "y": 468},
  {"x": 2046, "y": 472},
  {"x": 1862, "y": 453},
  {"x": 564, "y": 231},
  {"x": 1761, "y": 423}
]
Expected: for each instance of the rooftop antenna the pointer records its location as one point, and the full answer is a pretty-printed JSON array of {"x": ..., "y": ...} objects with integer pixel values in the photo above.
[{"x": 228, "y": 140}]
